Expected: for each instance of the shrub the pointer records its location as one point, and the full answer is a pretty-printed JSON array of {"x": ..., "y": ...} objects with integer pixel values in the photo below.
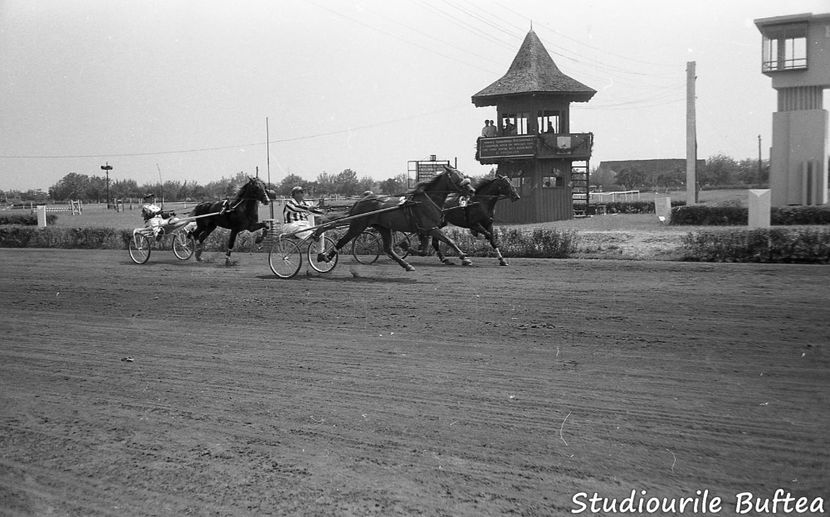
[
  {"x": 703, "y": 215},
  {"x": 800, "y": 215},
  {"x": 541, "y": 243},
  {"x": 803, "y": 245},
  {"x": 18, "y": 236},
  {"x": 730, "y": 214},
  {"x": 28, "y": 219}
]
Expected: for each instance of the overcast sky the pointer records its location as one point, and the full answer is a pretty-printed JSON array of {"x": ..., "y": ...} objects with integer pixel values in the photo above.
[{"x": 185, "y": 87}]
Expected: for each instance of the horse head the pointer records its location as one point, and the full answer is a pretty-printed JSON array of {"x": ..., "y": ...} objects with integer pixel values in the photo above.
[
  {"x": 458, "y": 182},
  {"x": 505, "y": 188},
  {"x": 254, "y": 189}
]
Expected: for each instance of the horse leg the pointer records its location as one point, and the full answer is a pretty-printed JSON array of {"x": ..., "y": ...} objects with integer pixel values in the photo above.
[
  {"x": 199, "y": 236},
  {"x": 355, "y": 229},
  {"x": 423, "y": 240},
  {"x": 261, "y": 236},
  {"x": 386, "y": 234},
  {"x": 490, "y": 235},
  {"x": 441, "y": 257},
  {"x": 231, "y": 242},
  {"x": 438, "y": 234}
]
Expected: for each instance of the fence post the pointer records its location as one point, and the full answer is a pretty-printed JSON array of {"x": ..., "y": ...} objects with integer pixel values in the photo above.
[
  {"x": 41, "y": 216},
  {"x": 759, "y": 208}
]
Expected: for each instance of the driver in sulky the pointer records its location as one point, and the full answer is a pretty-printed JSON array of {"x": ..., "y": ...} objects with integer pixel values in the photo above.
[
  {"x": 154, "y": 216},
  {"x": 298, "y": 213}
]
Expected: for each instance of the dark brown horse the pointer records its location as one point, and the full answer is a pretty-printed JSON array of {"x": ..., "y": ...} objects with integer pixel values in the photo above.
[
  {"x": 477, "y": 213},
  {"x": 238, "y": 215},
  {"x": 418, "y": 211}
]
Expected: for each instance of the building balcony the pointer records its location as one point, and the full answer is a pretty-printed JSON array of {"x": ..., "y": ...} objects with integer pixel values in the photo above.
[{"x": 566, "y": 146}]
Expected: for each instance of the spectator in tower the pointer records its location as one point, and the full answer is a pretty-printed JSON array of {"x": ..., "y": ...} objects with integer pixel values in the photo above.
[
  {"x": 509, "y": 128},
  {"x": 489, "y": 130}
]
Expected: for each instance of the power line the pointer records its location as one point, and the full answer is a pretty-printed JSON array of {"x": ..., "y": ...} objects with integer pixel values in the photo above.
[
  {"x": 237, "y": 146},
  {"x": 397, "y": 37}
]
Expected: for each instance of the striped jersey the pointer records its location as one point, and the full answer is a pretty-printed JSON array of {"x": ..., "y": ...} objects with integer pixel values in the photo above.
[{"x": 295, "y": 211}]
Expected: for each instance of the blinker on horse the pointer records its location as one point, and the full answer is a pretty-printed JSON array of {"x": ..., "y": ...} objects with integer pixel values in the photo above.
[
  {"x": 242, "y": 215},
  {"x": 420, "y": 211}
]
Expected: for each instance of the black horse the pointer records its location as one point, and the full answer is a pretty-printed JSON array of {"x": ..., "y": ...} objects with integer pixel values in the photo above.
[
  {"x": 418, "y": 211},
  {"x": 477, "y": 214},
  {"x": 238, "y": 215}
]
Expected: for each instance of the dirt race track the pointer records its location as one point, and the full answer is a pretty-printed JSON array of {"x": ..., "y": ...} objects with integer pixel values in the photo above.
[{"x": 373, "y": 391}]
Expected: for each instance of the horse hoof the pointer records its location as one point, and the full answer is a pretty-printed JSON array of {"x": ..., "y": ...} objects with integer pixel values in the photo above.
[
  {"x": 448, "y": 262},
  {"x": 466, "y": 262},
  {"x": 409, "y": 268},
  {"x": 503, "y": 263}
]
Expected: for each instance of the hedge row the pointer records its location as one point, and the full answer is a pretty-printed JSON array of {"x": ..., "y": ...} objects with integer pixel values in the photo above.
[
  {"x": 703, "y": 215},
  {"x": 541, "y": 243},
  {"x": 788, "y": 245},
  {"x": 630, "y": 207},
  {"x": 26, "y": 218},
  {"x": 103, "y": 238},
  {"x": 513, "y": 243}
]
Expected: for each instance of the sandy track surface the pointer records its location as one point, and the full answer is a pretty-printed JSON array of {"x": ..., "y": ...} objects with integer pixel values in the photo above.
[{"x": 179, "y": 388}]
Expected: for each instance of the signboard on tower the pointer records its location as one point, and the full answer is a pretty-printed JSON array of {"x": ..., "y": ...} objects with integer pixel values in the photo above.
[{"x": 424, "y": 170}]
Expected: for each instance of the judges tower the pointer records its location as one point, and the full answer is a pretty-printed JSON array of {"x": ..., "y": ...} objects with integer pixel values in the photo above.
[{"x": 534, "y": 146}]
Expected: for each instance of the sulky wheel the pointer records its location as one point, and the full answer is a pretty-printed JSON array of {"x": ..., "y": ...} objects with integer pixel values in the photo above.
[
  {"x": 285, "y": 258},
  {"x": 401, "y": 244},
  {"x": 183, "y": 245},
  {"x": 314, "y": 252},
  {"x": 366, "y": 248},
  {"x": 139, "y": 248}
]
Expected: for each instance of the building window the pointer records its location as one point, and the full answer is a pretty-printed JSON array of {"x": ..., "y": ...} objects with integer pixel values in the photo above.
[
  {"x": 548, "y": 121},
  {"x": 514, "y": 124},
  {"x": 784, "y": 48}
]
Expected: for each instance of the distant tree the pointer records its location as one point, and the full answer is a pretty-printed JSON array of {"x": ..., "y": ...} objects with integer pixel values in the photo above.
[
  {"x": 122, "y": 189},
  {"x": 346, "y": 183},
  {"x": 719, "y": 170},
  {"x": 365, "y": 183},
  {"x": 71, "y": 186},
  {"x": 749, "y": 173},
  {"x": 34, "y": 195},
  {"x": 96, "y": 189},
  {"x": 604, "y": 178},
  {"x": 326, "y": 183},
  {"x": 631, "y": 178},
  {"x": 396, "y": 185},
  {"x": 289, "y": 182},
  {"x": 669, "y": 179}
]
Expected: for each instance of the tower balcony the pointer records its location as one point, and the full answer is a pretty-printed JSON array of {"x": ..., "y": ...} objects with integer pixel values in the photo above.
[{"x": 566, "y": 146}]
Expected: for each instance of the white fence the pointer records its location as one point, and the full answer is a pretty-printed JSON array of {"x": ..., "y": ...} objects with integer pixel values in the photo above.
[{"x": 610, "y": 197}]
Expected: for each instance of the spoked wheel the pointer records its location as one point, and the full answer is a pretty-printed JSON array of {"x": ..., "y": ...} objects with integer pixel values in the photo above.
[
  {"x": 183, "y": 245},
  {"x": 401, "y": 244},
  {"x": 139, "y": 248},
  {"x": 285, "y": 258},
  {"x": 366, "y": 248},
  {"x": 314, "y": 257}
]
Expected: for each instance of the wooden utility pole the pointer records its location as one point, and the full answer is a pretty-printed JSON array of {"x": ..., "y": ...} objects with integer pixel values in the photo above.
[
  {"x": 691, "y": 136},
  {"x": 268, "y": 162}
]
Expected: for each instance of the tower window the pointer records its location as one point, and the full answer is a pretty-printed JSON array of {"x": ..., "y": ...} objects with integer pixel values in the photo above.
[
  {"x": 548, "y": 121},
  {"x": 784, "y": 48}
]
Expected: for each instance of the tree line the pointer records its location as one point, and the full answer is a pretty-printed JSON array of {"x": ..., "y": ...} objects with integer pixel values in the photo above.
[
  {"x": 719, "y": 171},
  {"x": 93, "y": 189}
]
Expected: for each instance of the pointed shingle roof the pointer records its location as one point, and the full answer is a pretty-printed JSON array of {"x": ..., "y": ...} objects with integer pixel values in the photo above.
[{"x": 533, "y": 71}]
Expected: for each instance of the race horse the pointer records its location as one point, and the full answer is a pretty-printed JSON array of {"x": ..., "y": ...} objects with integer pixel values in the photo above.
[
  {"x": 476, "y": 214},
  {"x": 418, "y": 211},
  {"x": 238, "y": 215}
]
